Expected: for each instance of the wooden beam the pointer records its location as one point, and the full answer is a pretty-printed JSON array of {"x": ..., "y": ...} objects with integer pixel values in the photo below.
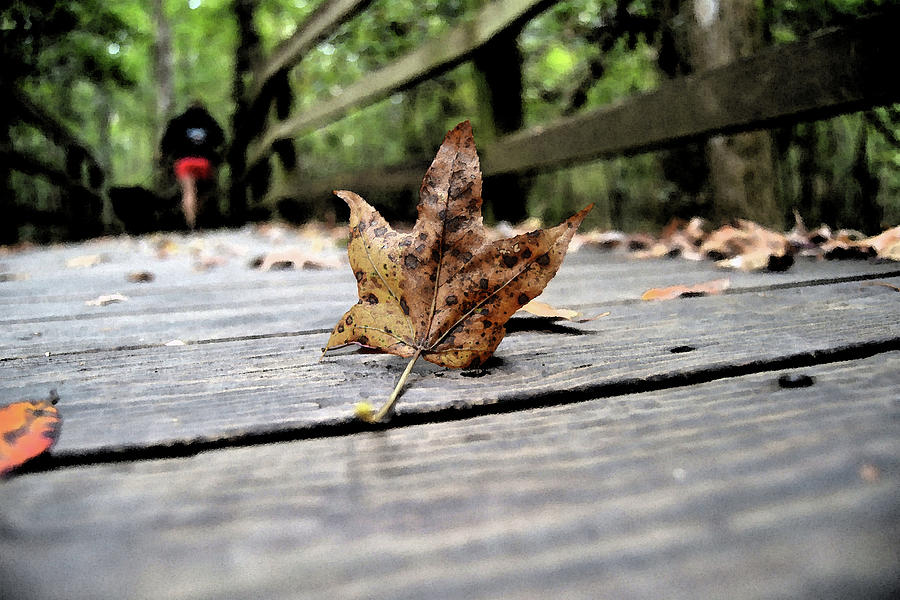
[
  {"x": 379, "y": 179},
  {"x": 31, "y": 165},
  {"x": 829, "y": 74},
  {"x": 50, "y": 126},
  {"x": 428, "y": 60},
  {"x": 320, "y": 24}
]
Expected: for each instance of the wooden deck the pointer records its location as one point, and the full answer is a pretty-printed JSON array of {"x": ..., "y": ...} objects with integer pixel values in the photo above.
[{"x": 207, "y": 453}]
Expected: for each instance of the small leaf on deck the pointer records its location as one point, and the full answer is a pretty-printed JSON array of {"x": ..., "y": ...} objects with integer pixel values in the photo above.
[{"x": 27, "y": 429}]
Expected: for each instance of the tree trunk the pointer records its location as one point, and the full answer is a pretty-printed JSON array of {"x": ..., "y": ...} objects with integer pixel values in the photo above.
[
  {"x": 741, "y": 166},
  {"x": 500, "y": 66},
  {"x": 244, "y": 124},
  {"x": 163, "y": 61},
  {"x": 163, "y": 69}
]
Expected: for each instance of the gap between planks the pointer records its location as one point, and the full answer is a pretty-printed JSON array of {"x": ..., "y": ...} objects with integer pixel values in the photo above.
[{"x": 503, "y": 405}]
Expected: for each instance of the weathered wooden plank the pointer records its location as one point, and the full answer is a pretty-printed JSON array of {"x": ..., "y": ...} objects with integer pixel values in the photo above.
[
  {"x": 431, "y": 58},
  {"x": 829, "y": 74},
  {"x": 327, "y": 17},
  {"x": 731, "y": 489},
  {"x": 46, "y": 312},
  {"x": 235, "y": 389}
]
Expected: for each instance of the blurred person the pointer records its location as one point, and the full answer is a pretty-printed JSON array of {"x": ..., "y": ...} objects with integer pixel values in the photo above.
[{"x": 192, "y": 144}]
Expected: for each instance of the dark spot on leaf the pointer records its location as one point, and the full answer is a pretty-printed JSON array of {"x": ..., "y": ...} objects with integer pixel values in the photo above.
[
  {"x": 359, "y": 275},
  {"x": 533, "y": 235},
  {"x": 510, "y": 260},
  {"x": 404, "y": 306},
  {"x": 411, "y": 262},
  {"x": 372, "y": 299},
  {"x": 455, "y": 224},
  {"x": 432, "y": 277},
  {"x": 527, "y": 253},
  {"x": 486, "y": 323},
  {"x": 522, "y": 299},
  {"x": 423, "y": 236},
  {"x": 349, "y": 320},
  {"x": 364, "y": 340},
  {"x": 420, "y": 248},
  {"x": 451, "y": 300},
  {"x": 340, "y": 328},
  {"x": 380, "y": 231},
  {"x": 466, "y": 256},
  {"x": 362, "y": 226},
  {"x": 483, "y": 284},
  {"x": 405, "y": 243},
  {"x": 543, "y": 260},
  {"x": 442, "y": 214}
]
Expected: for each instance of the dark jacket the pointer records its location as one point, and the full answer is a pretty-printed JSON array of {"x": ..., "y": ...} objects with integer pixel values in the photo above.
[{"x": 193, "y": 133}]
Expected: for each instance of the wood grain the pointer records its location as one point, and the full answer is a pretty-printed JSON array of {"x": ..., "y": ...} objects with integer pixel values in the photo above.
[
  {"x": 158, "y": 395},
  {"x": 46, "y": 310},
  {"x": 733, "y": 489}
]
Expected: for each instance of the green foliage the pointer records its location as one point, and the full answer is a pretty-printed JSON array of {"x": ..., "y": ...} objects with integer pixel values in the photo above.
[{"x": 91, "y": 64}]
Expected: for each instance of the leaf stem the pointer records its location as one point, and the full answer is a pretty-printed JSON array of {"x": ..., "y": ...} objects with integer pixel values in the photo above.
[{"x": 389, "y": 405}]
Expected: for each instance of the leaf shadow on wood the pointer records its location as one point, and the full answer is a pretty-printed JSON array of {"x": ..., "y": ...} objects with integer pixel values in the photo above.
[{"x": 543, "y": 325}]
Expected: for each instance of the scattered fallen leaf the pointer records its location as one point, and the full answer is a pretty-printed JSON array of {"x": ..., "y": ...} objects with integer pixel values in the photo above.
[
  {"x": 166, "y": 247},
  {"x": 140, "y": 277},
  {"x": 869, "y": 473},
  {"x": 27, "y": 429},
  {"x": 206, "y": 262},
  {"x": 886, "y": 244},
  {"x": 293, "y": 258},
  {"x": 548, "y": 311},
  {"x": 105, "y": 299},
  {"x": 607, "y": 240},
  {"x": 542, "y": 309},
  {"x": 707, "y": 288},
  {"x": 882, "y": 284},
  {"x": 444, "y": 291},
  {"x": 84, "y": 261}
]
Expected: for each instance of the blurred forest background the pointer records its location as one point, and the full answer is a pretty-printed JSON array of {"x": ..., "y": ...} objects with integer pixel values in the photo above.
[{"x": 93, "y": 84}]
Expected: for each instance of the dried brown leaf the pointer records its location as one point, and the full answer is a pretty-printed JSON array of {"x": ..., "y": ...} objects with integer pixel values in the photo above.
[
  {"x": 707, "y": 288},
  {"x": 444, "y": 291}
]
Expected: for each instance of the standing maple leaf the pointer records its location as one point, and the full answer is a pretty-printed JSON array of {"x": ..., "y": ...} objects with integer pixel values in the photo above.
[{"x": 443, "y": 291}]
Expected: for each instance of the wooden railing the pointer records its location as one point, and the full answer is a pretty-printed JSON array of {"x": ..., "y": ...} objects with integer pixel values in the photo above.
[
  {"x": 79, "y": 176},
  {"x": 831, "y": 73}
]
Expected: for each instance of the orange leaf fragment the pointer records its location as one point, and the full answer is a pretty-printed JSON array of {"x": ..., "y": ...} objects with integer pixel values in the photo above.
[
  {"x": 708, "y": 288},
  {"x": 27, "y": 429}
]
